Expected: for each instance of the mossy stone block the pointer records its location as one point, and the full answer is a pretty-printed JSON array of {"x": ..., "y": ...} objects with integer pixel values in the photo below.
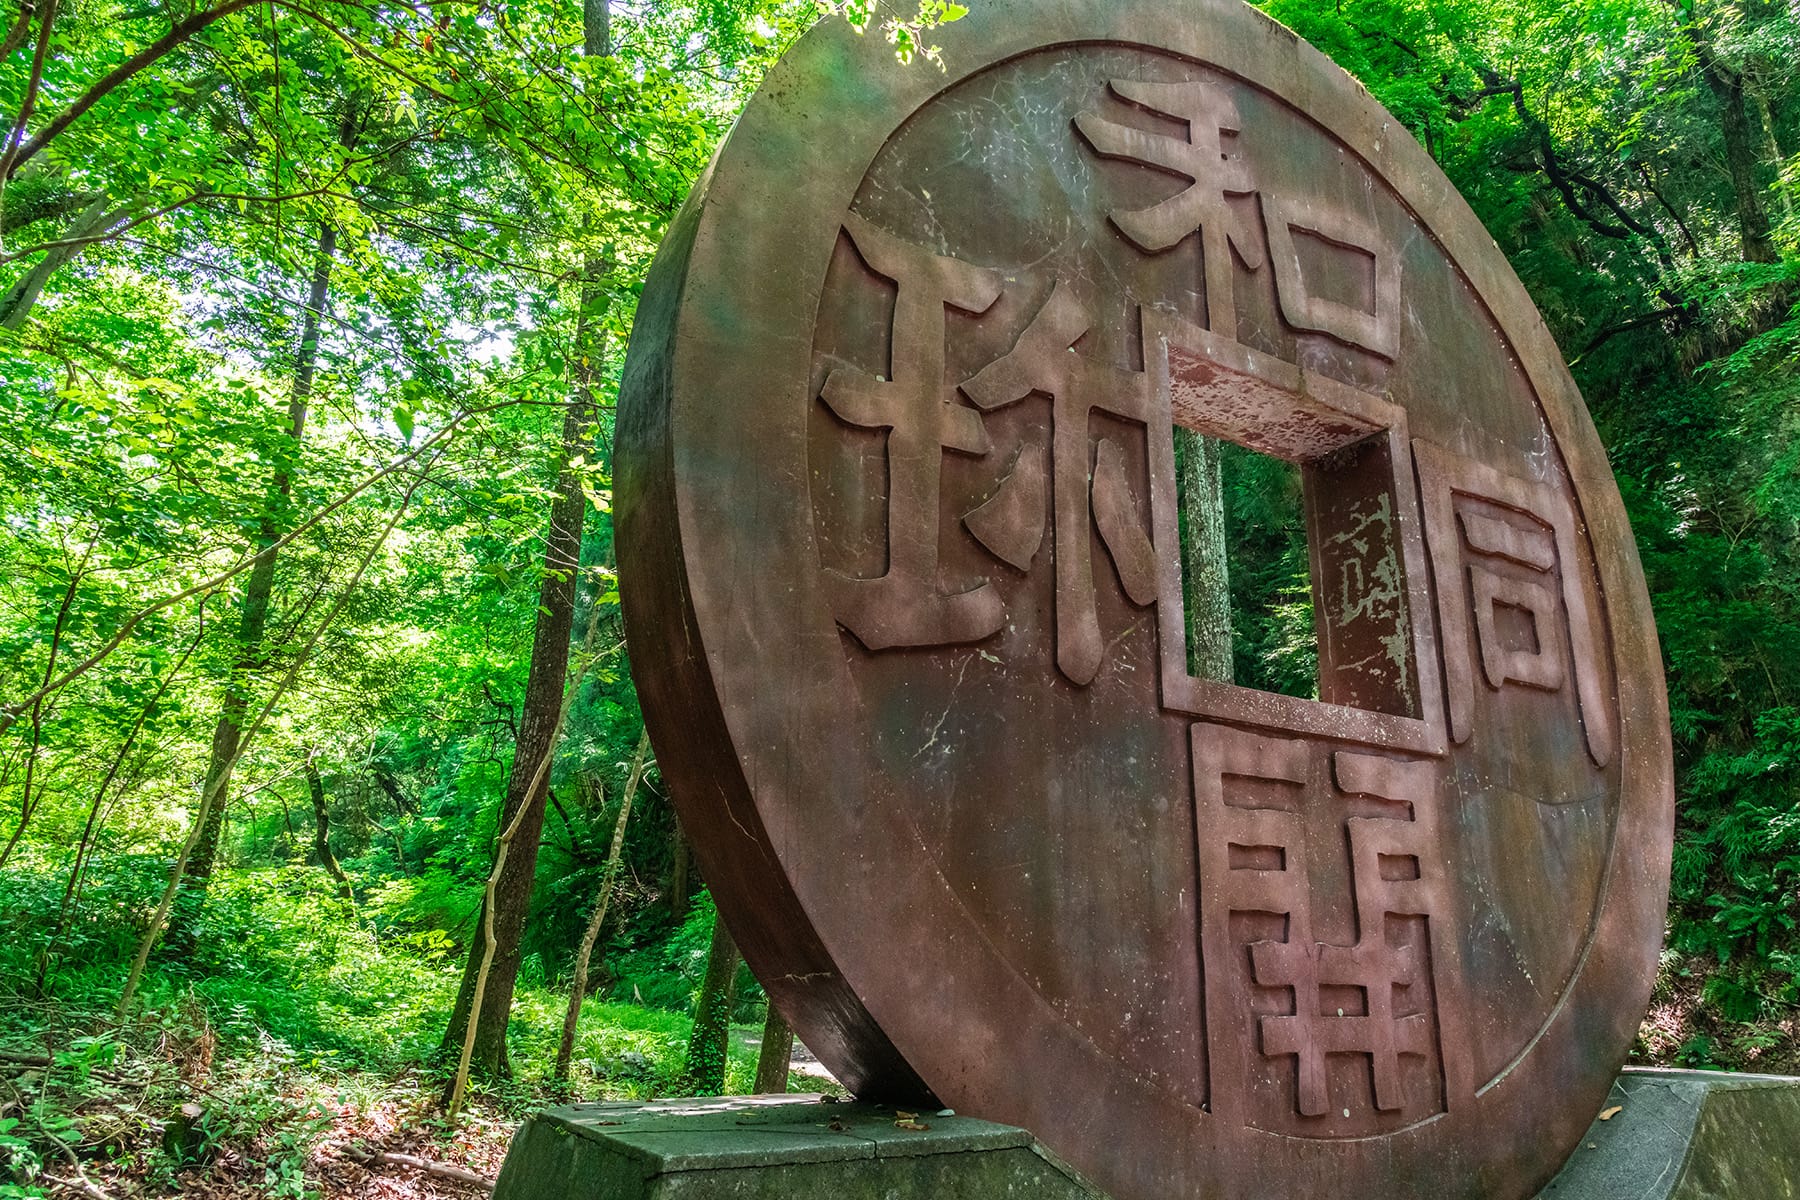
[
  {"x": 775, "y": 1148},
  {"x": 1689, "y": 1135}
]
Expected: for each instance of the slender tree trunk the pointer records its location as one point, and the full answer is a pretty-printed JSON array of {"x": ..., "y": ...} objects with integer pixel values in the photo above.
[
  {"x": 608, "y": 874},
  {"x": 253, "y": 621},
  {"x": 315, "y": 787},
  {"x": 523, "y": 810},
  {"x": 1687, "y": 232},
  {"x": 710, "y": 1041},
  {"x": 1206, "y": 572},
  {"x": 15, "y": 36},
  {"x": 776, "y": 1055},
  {"x": 527, "y": 787},
  {"x": 47, "y": 956},
  {"x": 22, "y": 296},
  {"x": 27, "y": 805},
  {"x": 178, "y": 872},
  {"x": 12, "y": 152}
]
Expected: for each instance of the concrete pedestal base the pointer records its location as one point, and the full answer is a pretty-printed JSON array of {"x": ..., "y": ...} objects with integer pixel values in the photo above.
[
  {"x": 1676, "y": 1135},
  {"x": 775, "y": 1148},
  {"x": 1689, "y": 1135}
]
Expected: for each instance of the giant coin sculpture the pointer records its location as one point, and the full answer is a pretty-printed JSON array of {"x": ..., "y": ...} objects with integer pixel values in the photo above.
[{"x": 900, "y": 540}]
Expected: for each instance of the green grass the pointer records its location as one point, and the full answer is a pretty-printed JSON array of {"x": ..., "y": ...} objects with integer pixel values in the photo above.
[
  {"x": 279, "y": 958},
  {"x": 294, "y": 1010}
]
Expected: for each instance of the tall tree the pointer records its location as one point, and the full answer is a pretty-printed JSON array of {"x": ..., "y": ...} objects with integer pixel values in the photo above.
[
  {"x": 315, "y": 788},
  {"x": 1205, "y": 565},
  {"x": 609, "y": 875},
  {"x": 709, "y": 1043},
  {"x": 1737, "y": 130},
  {"x": 253, "y": 618},
  {"x": 775, "y": 1056},
  {"x": 539, "y": 722}
]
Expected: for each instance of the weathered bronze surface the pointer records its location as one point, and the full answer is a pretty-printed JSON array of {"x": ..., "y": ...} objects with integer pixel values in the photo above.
[{"x": 899, "y": 548}]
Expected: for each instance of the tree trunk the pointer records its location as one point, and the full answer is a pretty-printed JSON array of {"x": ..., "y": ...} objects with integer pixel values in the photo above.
[
  {"x": 709, "y": 1043},
  {"x": 254, "y": 617},
  {"x": 22, "y": 297},
  {"x": 596, "y": 28},
  {"x": 1754, "y": 232},
  {"x": 537, "y": 727},
  {"x": 28, "y": 806},
  {"x": 608, "y": 874},
  {"x": 1727, "y": 86},
  {"x": 777, "y": 1053},
  {"x": 1206, "y": 572},
  {"x": 542, "y": 712},
  {"x": 322, "y": 829}
]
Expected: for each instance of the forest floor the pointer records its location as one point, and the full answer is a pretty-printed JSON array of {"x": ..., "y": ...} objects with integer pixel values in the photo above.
[
  {"x": 263, "y": 1121},
  {"x": 1681, "y": 1029},
  {"x": 293, "y": 1052},
  {"x": 349, "y": 1157}
]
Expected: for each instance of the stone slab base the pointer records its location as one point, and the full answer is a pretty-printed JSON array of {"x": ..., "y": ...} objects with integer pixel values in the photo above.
[
  {"x": 775, "y": 1148},
  {"x": 1676, "y": 1135},
  {"x": 1689, "y": 1135}
]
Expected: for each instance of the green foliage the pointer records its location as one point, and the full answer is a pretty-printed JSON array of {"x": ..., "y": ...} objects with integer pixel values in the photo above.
[
  {"x": 1274, "y": 646},
  {"x": 903, "y": 32},
  {"x": 492, "y": 193},
  {"x": 666, "y": 972}
]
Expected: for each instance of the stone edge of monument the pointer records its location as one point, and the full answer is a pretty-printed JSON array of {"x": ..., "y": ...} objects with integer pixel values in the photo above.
[
  {"x": 1663, "y": 1135},
  {"x": 705, "y": 1134}
]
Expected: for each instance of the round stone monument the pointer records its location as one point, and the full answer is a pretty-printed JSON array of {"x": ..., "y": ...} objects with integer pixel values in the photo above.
[{"x": 901, "y": 543}]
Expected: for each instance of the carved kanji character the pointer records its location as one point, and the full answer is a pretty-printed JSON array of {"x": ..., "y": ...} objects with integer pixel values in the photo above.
[
  {"x": 1376, "y": 998},
  {"x": 1502, "y": 543},
  {"x": 1361, "y": 254},
  {"x": 1044, "y": 360},
  {"x": 906, "y": 606},
  {"x": 1210, "y": 115},
  {"x": 1373, "y": 966}
]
